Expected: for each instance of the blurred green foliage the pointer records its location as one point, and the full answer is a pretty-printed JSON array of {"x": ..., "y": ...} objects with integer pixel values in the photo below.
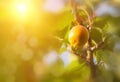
[{"x": 24, "y": 44}]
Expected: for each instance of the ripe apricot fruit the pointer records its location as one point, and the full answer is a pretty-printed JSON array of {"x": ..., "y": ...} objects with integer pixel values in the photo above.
[{"x": 78, "y": 36}]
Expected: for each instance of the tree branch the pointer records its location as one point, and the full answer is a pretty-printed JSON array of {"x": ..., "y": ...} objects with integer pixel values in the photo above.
[{"x": 88, "y": 53}]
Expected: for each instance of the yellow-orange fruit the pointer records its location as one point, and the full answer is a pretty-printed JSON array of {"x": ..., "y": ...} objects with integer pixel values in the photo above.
[{"x": 78, "y": 36}]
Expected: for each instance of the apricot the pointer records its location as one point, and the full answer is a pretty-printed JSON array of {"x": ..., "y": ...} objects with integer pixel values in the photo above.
[{"x": 78, "y": 36}]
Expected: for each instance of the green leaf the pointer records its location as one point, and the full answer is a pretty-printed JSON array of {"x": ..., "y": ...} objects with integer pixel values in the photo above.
[
  {"x": 66, "y": 35},
  {"x": 109, "y": 42},
  {"x": 96, "y": 34},
  {"x": 100, "y": 56},
  {"x": 63, "y": 48},
  {"x": 100, "y": 22}
]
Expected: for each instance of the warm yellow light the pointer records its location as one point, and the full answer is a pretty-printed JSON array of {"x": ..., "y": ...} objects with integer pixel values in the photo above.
[{"x": 21, "y": 8}]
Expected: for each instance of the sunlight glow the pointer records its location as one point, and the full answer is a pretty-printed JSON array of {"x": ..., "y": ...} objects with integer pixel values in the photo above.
[{"x": 22, "y": 8}]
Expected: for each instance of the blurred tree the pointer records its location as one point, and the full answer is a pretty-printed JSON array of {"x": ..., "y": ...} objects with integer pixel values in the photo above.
[{"x": 34, "y": 44}]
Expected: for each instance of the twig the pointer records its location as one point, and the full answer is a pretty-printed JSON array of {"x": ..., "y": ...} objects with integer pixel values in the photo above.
[
  {"x": 82, "y": 55},
  {"x": 75, "y": 12},
  {"x": 99, "y": 45},
  {"x": 88, "y": 17}
]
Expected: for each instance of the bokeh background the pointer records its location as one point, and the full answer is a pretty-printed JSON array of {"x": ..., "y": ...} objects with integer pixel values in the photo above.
[{"x": 34, "y": 45}]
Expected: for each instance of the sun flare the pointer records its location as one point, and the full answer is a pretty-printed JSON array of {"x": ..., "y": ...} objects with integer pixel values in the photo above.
[{"x": 21, "y": 8}]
